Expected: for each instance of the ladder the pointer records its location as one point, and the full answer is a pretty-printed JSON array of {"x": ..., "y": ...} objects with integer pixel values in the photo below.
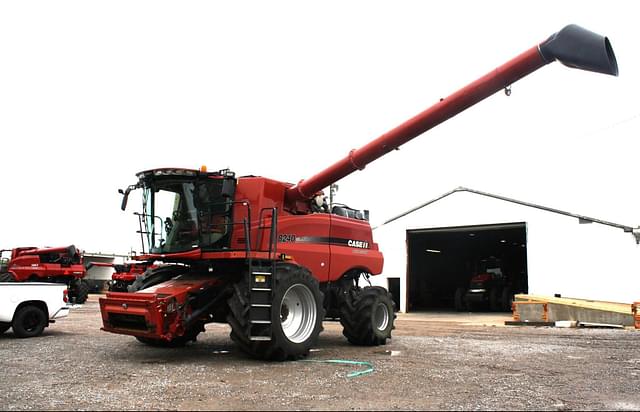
[
  {"x": 260, "y": 299},
  {"x": 262, "y": 283}
]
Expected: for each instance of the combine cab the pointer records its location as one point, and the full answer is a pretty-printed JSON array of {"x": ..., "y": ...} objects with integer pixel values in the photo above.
[
  {"x": 54, "y": 265},
  {"x": 269, "y": 257}
]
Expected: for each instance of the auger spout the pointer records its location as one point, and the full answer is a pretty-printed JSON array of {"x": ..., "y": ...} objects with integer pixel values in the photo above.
[{"x": 572, "y": 46}]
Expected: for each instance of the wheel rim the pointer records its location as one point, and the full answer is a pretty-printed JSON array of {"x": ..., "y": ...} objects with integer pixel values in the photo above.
[
  {"x": 298, "y": 313},
  {"x": 31, "y": 322},
  {"x": 381, "y": 318}
]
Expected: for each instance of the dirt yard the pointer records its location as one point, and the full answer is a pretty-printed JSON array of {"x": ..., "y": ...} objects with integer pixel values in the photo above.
[{"x": 434, "y": 361}]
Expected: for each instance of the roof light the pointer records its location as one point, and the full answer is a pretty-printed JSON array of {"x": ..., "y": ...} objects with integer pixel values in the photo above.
[{"x": 174, "y": 172}]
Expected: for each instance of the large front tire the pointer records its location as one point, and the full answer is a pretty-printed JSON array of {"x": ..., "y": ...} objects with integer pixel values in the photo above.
[
  {"x": 296, "y": 317},
  {"x": 367, "y": 316}
]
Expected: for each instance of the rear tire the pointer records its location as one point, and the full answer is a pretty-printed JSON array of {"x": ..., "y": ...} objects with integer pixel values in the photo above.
[
  {"x": 29, "y": 321},
  {"x": 495, "y": 301},
  {"x": 6, "y": 277},
  {"x": 176, "y": 342},
  {"x": 118, "y": 286},
  {"x": 367, "y": 316},
  {"x": 458, "y": 300},
  {"x": 161, "y": 343},
  {"x": 296, "y": 316},
  {"x": 154, "y": 276},
  {"x": 507, "y": 299},
  {"x": 79, "y": 291}
]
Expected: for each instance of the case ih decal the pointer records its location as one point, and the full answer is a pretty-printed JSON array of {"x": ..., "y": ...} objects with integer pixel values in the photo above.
[{"x": 289, "y": 238}]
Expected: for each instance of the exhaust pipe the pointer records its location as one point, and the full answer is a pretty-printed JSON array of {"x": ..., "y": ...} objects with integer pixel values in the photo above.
[{"x": 580, "y": 48}]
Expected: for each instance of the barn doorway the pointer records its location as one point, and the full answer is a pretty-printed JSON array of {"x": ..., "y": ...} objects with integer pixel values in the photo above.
[{"x": 442, "y": 260}]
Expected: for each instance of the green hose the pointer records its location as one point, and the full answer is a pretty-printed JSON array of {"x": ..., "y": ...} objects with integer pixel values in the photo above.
[{"x": 347, "y": 362}]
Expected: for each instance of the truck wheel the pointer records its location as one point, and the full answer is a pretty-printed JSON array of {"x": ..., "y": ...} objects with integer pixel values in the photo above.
[
  {"x": 29, "y": 321},
  {"x": 458, "y": 300},
  {"x": 296, "y": 317},
  {"x": 367, "y": 316},
  {"x": 4, "y": 326},
  {"x": 6, "y": 277}
]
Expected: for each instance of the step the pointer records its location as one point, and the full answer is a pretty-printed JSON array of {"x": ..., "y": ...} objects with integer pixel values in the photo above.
[
  {"x": 261, "y": 322},
  {"x": 260, "y": 278},
  {"x": 260, "y": 338},
  {"x": 261, "y": 289},
  {"x": 260, "y": 305}
]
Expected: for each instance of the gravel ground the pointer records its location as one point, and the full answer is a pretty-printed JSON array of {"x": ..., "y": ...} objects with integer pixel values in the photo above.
[{"x": 434, "y": 361}]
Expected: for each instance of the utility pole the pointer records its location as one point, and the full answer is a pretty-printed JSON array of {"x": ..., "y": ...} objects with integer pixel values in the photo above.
[{"x": 333, "y": 190}]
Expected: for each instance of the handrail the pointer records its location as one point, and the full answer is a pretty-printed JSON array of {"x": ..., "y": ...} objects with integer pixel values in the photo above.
[{"x": 272, "y": 250}]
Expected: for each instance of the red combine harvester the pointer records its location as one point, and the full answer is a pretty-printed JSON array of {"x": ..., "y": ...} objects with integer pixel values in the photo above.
[
  {"x": 492, "y": 286},
  {"x": 54, "y": 265},
  {"x": 268, "y": 257},
  {"x": 124, "y": 274}
]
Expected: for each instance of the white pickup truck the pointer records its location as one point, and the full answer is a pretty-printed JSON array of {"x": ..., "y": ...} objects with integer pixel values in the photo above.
[{"x": 29, "y": 307}]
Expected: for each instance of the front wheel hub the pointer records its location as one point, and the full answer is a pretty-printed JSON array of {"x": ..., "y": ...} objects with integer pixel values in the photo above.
[
  {"x": 298, "y": 313},
  {"x": 381, "y": 316}
]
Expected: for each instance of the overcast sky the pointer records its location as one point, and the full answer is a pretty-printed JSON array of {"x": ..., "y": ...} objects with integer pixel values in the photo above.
[{"x": 93, "y": 92}]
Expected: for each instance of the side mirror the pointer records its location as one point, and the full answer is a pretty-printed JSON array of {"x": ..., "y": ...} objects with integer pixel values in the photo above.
[{"x": 125, "y": 194}]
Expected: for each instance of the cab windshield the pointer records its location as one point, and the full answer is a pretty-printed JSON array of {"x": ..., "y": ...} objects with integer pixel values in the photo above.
[{"x": 183, "y": 214}]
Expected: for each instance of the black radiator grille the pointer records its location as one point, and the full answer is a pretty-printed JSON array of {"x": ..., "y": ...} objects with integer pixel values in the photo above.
[{"x": 125, "y": 321}]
